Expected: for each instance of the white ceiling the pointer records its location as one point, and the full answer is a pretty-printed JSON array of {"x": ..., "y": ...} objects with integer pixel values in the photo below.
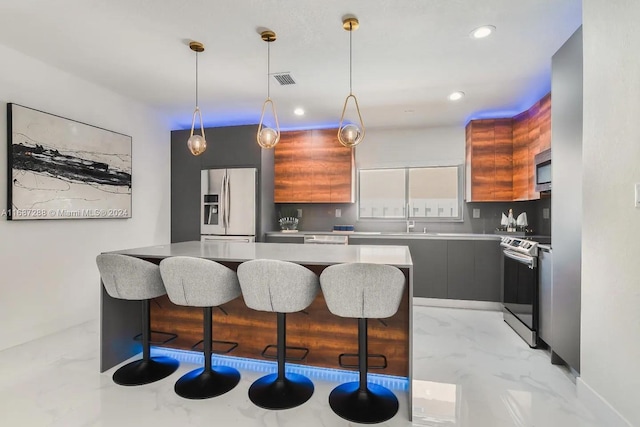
[{"x": 408, "y": 55}]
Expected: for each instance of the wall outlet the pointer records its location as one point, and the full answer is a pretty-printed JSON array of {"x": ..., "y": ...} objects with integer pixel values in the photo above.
[
  {"x": 545, "y": 213},
  {"x": 299, "y": 213},
  {"x": 637, "y": 195},
  {"x": 338, "y": 213},
  {"x": 476, "y": 213}
]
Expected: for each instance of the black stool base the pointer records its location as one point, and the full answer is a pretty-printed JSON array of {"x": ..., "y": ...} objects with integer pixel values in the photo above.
[
  {"x": 375, "y": 405},
  {"x": 143, "y": 371},
  {"x": 201, "y": 384},
  {"x": 269, "y": 392}
]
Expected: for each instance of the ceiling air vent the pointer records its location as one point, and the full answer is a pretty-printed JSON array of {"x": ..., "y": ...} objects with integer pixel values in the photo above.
[{"x": 284, "y": 79}]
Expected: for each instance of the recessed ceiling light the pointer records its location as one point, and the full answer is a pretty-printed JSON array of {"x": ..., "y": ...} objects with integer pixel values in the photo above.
[
  {"x": 455, "y": 96},
  {"x": 482, "y": 32},
  {"x": 298, "y": 112}
]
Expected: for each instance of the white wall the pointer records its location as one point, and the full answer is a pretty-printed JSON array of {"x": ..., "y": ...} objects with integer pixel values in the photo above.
[
  {"x": 440, "y": 146},
  {"x": 610, "y": 350},
  {"x": 49, "y": 278}
]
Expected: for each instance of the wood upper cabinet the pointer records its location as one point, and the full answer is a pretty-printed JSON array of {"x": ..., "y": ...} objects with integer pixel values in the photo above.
[
  {"x": 291, "y": 173},
  {"x": 489, "y": 160},
  {"x": 500, "y": 154},
  {"x": 533, "y": 148},
  {"x": 503, "y": 151},
  {"x": 521, "y": 156},
  {"x": 531, "y": 135},
  {"x": 311, "y": 166},
  {"x": 545, "y": 123}
]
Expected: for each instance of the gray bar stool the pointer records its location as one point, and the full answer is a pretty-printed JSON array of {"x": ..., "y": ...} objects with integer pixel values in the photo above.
[
  {"x": 281, "y": 287},
  {"x": 363, "y": 291},
  {"x": 130, "y": 278},
  {"x": 197, "y": 282}
]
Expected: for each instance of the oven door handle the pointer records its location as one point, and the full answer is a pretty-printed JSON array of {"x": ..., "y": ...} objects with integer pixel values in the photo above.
[{"x": 529, "y": 261}]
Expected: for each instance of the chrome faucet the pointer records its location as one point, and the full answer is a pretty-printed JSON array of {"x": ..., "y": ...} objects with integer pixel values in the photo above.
[{"x": 410, "y": 225}]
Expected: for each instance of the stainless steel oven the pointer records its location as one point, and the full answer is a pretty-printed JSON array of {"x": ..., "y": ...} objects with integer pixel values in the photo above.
[{"x": 520, "y": 287}]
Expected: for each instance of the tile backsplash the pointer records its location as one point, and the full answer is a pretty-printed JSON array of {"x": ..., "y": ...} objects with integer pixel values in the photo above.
[{"x": 322, "y": 217}]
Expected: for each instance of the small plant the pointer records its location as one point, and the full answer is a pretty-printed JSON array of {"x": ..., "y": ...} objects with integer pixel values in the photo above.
[{"x": 287, "y": 212}]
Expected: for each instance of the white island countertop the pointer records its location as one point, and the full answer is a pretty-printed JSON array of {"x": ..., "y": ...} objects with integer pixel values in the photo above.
[{"x": 397, "y": 256}]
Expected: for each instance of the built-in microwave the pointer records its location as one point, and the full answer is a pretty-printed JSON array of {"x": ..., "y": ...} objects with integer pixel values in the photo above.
[{"x": 543, "y": 171}]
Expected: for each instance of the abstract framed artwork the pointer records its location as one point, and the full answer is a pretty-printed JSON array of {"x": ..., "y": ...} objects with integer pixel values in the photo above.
[{"x": 63, "y": 169}]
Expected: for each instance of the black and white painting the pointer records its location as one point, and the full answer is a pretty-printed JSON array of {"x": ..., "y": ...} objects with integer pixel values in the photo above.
[{"x": 63, "y": 169}]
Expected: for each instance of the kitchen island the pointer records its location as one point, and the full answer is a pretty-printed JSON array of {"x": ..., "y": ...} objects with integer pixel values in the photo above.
[{"x": 325, "y": 335}]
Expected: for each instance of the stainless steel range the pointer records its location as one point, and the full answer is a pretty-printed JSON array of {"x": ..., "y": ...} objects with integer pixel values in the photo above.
[{"x": 520, "y": 287}]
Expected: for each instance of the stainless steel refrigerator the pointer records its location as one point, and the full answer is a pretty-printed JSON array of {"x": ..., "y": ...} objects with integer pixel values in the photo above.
[{"x": 228, "y": 204}]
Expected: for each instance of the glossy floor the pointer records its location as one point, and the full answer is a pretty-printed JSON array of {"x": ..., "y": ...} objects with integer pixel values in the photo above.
[{"x": 470, "y": 370}]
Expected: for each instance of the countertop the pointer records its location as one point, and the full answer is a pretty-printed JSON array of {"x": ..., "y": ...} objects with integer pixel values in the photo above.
[
  {"x": 392, "y": 235},
  {"x": 397, "y": 256}
]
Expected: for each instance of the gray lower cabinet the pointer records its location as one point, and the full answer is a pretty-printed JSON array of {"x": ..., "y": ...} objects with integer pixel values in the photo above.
[
  {"x": 429, "y": 263},
  {"x": 430, "y": 259},
  {"x": 455, "y": 269},
  {"x": 460, "y": 269},
  {"x": 487, "y": 271},
  {"x": 473, "y": 268},
  {"x": 270, "y": 238}
]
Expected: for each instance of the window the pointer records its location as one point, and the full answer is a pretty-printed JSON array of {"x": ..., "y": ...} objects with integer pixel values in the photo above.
[
  {"x": 427, "y": 193},
  {"x": 434, "y": 193},
  {"x": 382, "y": 193}
]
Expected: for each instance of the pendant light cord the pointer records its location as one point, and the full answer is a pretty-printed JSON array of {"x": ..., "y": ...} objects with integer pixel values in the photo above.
[
  {"x": 196, "y": 79},
  {"x": 350, "y": 60},
  {"x": 268, "y": 68}
]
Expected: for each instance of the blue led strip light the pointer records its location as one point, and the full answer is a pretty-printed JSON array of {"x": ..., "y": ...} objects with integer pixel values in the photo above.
[{"x": 242, "y": 363}]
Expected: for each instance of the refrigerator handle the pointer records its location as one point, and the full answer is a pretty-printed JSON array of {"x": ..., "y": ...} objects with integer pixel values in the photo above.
[
  {"x": 222, "y": 207},
  {"x": 227, "y": 202}
]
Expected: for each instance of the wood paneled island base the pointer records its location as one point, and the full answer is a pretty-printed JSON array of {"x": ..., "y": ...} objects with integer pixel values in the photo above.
[{"x": 325, "y": 335}]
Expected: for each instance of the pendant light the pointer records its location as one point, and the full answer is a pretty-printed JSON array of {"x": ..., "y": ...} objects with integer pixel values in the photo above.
[
  {"x": 268, "y": 137},
  {"x": 350, "y": 134},
  {"x": 197, "y": 143}
]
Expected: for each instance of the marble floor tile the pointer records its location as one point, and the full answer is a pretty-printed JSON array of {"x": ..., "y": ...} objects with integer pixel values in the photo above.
[{"x": 470, "y": 370}]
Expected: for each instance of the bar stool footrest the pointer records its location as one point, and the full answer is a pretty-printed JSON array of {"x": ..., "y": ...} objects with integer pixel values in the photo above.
[
  {"x": 232, "y": 346},
  {"x": 157, "y": 340},
  {"x": 356, "y": 365},
  {"x": 304, "y": 350}
]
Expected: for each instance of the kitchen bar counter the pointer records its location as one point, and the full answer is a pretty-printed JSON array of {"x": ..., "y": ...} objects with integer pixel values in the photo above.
[
  {"x": 315, "y": 328},
  {"x": 397, "y": 256}
]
